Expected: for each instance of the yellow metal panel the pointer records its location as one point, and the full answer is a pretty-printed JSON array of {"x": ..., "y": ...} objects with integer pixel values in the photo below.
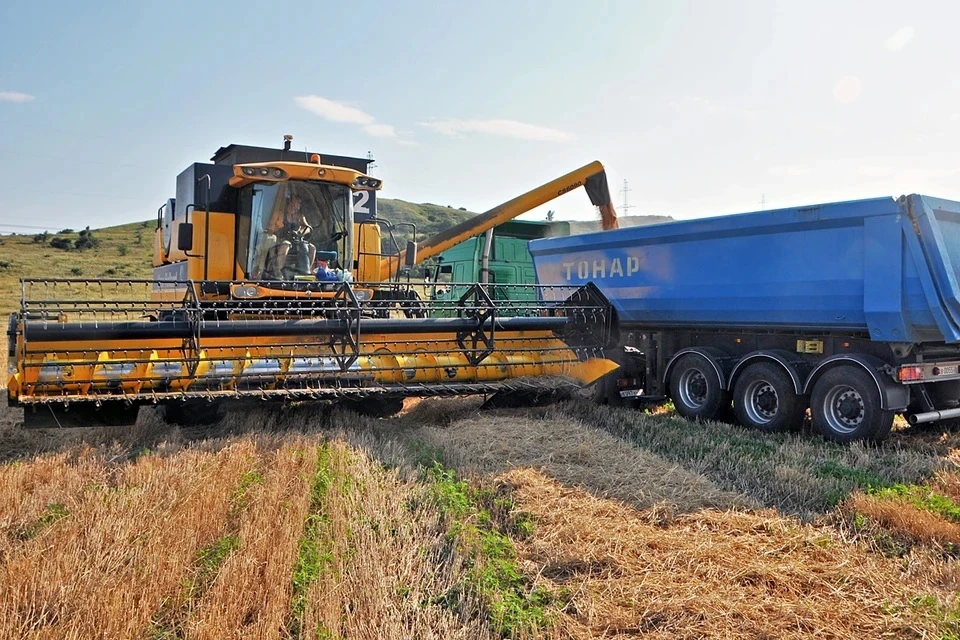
[
  {"x": 367, "y": 243},
  {"x": 139, "y": 368},
  {"x": 159, "y": 255},
  {"x": 298, "y": 171}
]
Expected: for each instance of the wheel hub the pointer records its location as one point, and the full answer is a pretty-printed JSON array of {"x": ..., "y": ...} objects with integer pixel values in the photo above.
[
  {"x": 693, "y": 388},
  {"x": 761, "y": 402},
  {"x": 844, "y": 409},
  {"x": 849, "y": 407},
  {"x": 698, "y": 388}
]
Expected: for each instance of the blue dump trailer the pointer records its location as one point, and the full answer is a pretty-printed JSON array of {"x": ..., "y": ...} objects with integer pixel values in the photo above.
[{"x": 850, "y": 309}]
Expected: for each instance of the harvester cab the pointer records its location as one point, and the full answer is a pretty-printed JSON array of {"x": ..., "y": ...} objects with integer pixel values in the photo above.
[{"x": 274, "y": 279}]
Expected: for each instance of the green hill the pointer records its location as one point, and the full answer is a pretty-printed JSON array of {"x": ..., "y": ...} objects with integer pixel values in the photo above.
[{"x": 125, "y": 251}]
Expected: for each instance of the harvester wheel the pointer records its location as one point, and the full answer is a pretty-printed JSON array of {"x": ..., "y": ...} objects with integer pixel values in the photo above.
[
  {"x": 603, "y": 391},
  {"x": 377, "y": 407},
  {"x": 845, "y": 406},
  {"x": 765, "y": 399},
  {"x": 192, "y": 413},
  {"x": 696, "y": 390}
]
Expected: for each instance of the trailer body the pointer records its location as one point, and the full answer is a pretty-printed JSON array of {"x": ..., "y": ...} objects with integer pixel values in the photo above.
[{"x": 868, "y": 284}]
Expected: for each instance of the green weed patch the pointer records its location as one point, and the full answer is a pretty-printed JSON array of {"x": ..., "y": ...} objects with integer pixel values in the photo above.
[
  {"x": 314, "y": 554},
  {"x": 478, "y": 522}
]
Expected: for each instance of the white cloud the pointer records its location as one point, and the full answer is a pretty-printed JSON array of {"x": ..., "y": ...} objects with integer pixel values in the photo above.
[
  {"x": 15, "y": 96},
  {"x": 504, "y": 128},
  {"x": 333, "y": 110},
  {"x": 875, "y": 171},
  {"x": 847, "y": 89},
  {"x": 380, "y": 130},
  {"x": 789, "y": 171},
  {"x": 900, "y": 39},
  {"x": 341, "y": 112}
]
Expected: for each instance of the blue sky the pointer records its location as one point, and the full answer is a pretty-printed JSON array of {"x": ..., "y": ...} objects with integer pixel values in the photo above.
[{"x": 705, "y": 107}]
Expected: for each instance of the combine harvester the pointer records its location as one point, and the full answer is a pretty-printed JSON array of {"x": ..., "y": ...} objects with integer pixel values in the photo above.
[
  {"x": 239, "y": 308},
  {"x": 850, "y": 309}
]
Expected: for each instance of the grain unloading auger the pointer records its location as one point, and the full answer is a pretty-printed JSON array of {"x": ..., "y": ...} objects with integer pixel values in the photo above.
[{"x": 255, "y": 320}]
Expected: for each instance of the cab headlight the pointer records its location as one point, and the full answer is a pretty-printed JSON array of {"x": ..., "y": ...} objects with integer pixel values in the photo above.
[{"x": 246, "y": 291}]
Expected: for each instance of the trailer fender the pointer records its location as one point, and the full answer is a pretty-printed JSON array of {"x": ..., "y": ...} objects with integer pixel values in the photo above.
[
  {"x": 893, "y": 396},
  {"x": 784, "y": 359},
  {"x": 715, "y": 357}
]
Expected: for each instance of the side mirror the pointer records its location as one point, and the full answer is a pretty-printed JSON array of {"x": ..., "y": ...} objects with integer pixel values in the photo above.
[
  {"x": 410, "y": 258},
  {"x": 185, "y": 236}
]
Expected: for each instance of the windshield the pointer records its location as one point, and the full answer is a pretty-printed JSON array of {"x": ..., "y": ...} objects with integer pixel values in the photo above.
[{"x": 292, "y": 225}]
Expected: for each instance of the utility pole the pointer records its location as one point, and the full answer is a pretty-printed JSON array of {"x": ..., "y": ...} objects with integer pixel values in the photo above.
[
  {"x": 763, "y": 201},
  {"x": 626, "y": 205},
  {"x": 372, "y": 165}
]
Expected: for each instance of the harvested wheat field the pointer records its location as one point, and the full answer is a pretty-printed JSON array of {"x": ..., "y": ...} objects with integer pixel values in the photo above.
[{"x": 450, "y": 521}]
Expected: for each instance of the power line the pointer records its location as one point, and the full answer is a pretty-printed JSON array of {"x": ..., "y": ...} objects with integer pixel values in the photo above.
[{"x": 626, "y": 205}]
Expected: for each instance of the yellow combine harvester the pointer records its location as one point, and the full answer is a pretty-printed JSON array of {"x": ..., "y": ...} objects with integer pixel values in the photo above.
[{"x": 274, "y": 280}]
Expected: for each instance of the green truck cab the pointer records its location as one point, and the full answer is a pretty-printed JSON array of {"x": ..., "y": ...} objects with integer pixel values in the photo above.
[{"x": 508, "y": 262}]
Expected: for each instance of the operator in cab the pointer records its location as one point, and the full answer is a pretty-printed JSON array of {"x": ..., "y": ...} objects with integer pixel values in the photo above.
[{"x": 288, "y": 225}]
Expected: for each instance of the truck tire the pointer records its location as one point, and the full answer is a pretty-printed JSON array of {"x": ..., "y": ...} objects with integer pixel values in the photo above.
[
  {"x": 765, "y": 399},
  {"x": 845, "y": 406},
  {"x": 696, "y": 390}
]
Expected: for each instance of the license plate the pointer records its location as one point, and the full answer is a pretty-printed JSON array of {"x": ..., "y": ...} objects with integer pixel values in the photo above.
[{"x": 631, "y": 393}]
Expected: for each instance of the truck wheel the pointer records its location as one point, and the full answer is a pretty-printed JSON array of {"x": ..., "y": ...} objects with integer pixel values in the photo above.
[
  {"x": 191, "y": 413},
  {"x": 845, "y": 406},
  {"x": 695, "y": 389},
  {"x": 764, "y": 398}
]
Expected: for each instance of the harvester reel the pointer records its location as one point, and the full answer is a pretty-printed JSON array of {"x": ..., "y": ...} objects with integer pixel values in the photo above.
[
  {"x": 346, "y": 346},
  {"x": 591, "y": 324},
  {"x": 483, "y": 311}
]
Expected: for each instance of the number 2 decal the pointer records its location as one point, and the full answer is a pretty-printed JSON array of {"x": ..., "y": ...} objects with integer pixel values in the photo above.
[{"x": 360, "y": 206}]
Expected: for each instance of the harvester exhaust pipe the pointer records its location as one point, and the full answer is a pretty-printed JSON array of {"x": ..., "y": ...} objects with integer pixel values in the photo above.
[{"x": 287, "y": 140}]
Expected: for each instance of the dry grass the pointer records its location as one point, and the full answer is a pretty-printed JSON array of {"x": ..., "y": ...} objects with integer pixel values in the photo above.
[
  {"x": 637, "y": 530},
  {"x": 575, "y": 455},
  {"x": 389, "y": 558},
  {"x": 708, "y": 575},
  {"x": 898, "y": 518},
  {"x": 799, "y": 474},
  {"x": 251, "y": 594},
  {"x": 121, "y": 548}
]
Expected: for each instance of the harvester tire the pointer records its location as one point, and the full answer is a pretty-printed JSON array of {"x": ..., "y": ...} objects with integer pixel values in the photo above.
[
  {"x": 193, "y": 413},
  {"x": 377, "y": 407},
  {"x": 696, "y": 390}
]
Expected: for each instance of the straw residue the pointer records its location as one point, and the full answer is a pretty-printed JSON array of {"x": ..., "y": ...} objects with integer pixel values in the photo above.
[
  {"x": 707, "y": 575},
  {"x": 577, "y": 455}
]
